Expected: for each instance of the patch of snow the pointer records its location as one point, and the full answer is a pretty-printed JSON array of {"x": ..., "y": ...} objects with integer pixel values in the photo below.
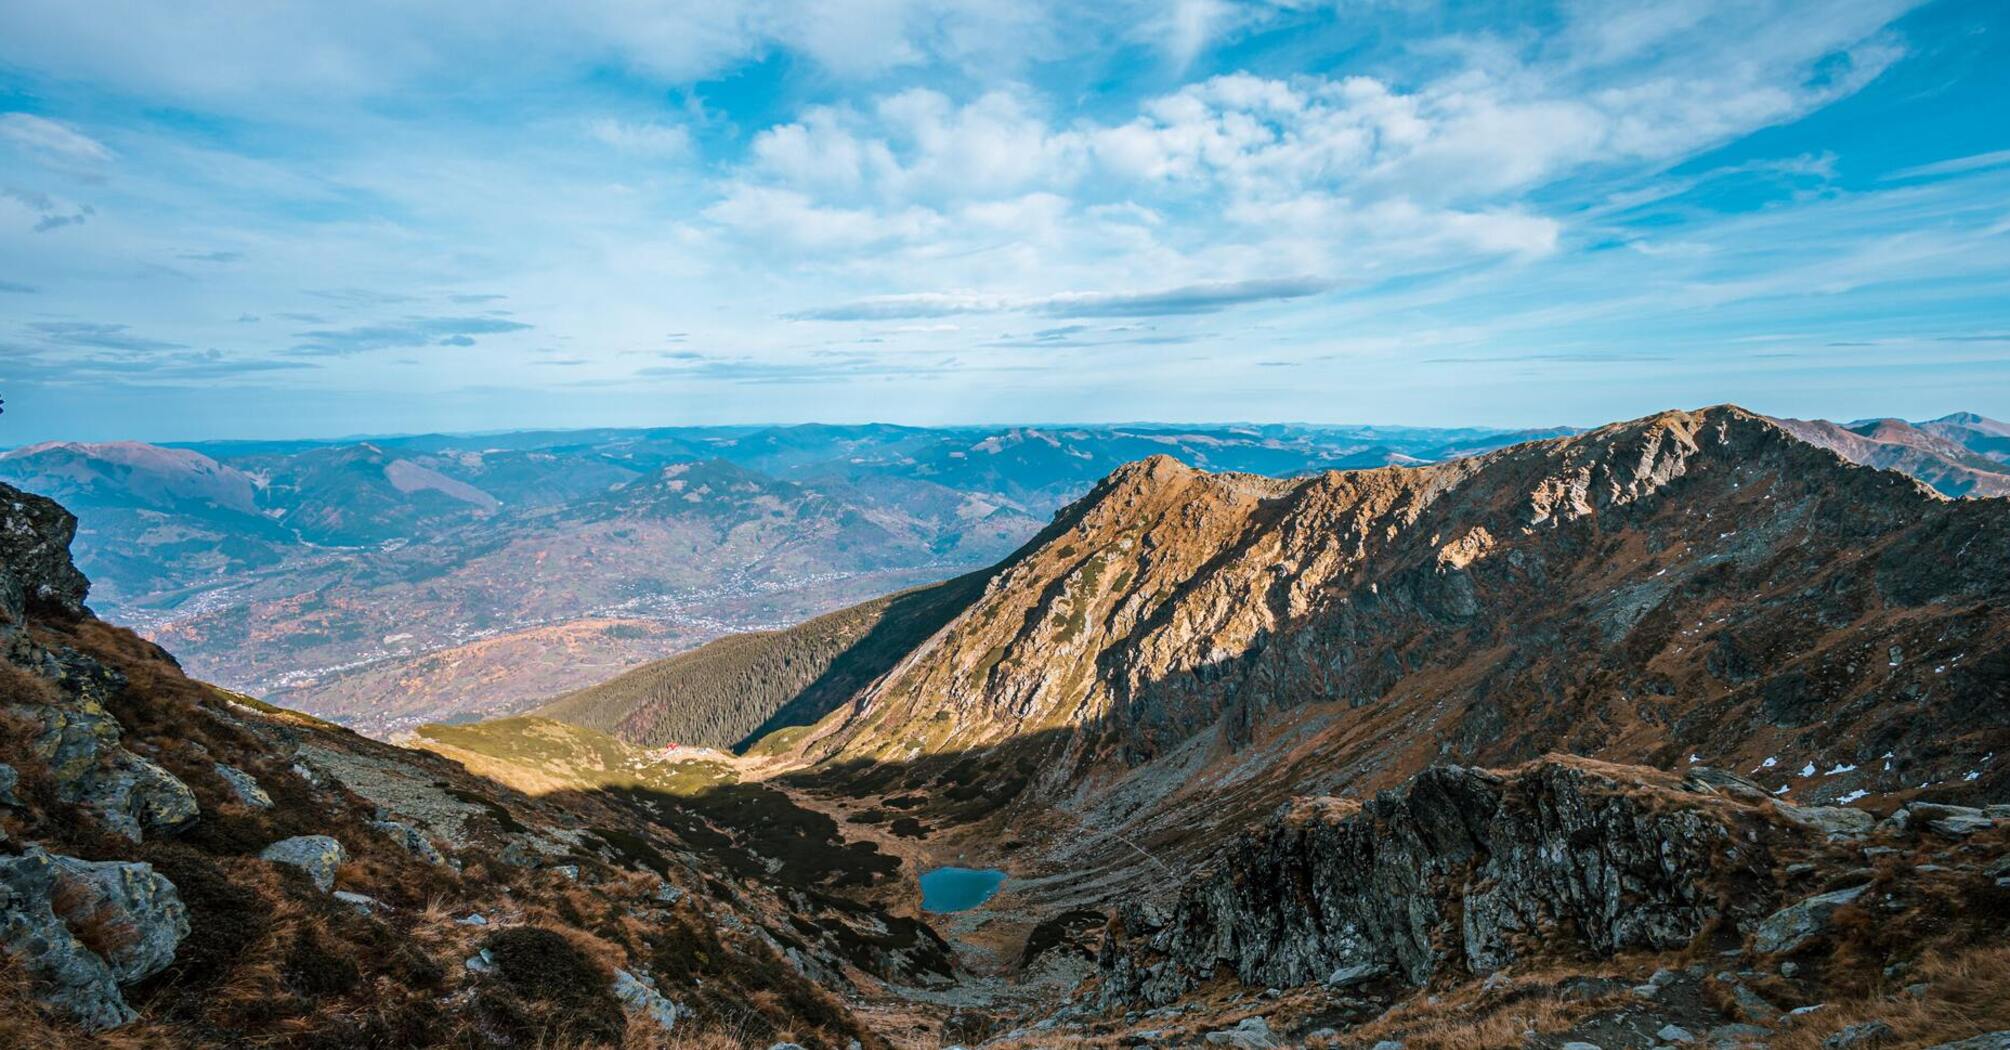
[
  {"x": 1840, "y": 769},
  {"x": 1808, "y": 770},
  {"x": 1853, "y": 796}
]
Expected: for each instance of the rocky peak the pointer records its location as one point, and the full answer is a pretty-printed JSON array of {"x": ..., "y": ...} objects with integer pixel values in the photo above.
[
  {"x": 1516, "y": 595},
  {"x": 36, "y": 573}
]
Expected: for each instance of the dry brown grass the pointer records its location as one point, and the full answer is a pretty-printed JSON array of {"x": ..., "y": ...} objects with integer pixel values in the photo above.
[
  {"x": 1965, "y": 997},
  {"x": 18, "y": 686},
  {"x": 90, "y": 918}
]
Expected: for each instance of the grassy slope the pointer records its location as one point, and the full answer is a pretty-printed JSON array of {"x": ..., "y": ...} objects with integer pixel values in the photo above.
[
  {"x": 735, "y": 690},
  {"x": 539, "y": 755}
]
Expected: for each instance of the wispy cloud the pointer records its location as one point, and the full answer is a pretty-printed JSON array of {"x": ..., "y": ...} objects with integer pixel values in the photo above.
[
  {"x": 401, "y": 333},
  {"x": 53, "y": 141},
  {"x": 1185, "y": 299},
  {"x": 100, "y": 336},
  {"x": 1956, "y": 166}
]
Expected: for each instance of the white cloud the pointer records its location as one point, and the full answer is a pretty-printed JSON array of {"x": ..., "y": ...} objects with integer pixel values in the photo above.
[
  {"x": 53, "y": 140},
  {"x": 645, "y": 138}
]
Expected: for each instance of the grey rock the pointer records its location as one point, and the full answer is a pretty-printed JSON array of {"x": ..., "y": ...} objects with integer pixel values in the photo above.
[
  {"x": 245, "y": 786},
  {"x": 1754, "y": 1006},
  {"x": 70, "y": 976},
  {"x": 1942, "y": 819},
  {"x": 1388, "y": 1044},
  {"x": 1250, "y": 1033},
  {"x": 481, "y": 962},
  {"x": 362, "y": 902},
  {"x": 1837, "y": 822},
  {"x": 1959, "y": 827},
  {"x": 1738, "y": 1035},
  {"x": 1582, "y": 1046},
  {"x": 786, "y": 1046},
  {"x": 317, "y": 855},
  {"x": 1860, "y": 1036},
  {"x": 477, "y": 919},
  {"x": 1792, "y": 927},
  {"x": 1348, "y": 976},
  {"x": 1322, "y": 1034},
  {"x": 79, "y": 743},
  {"x": 1711, "y": 781},
  {"x": 640, "y": 996},
  {"x": 411, "y": 840},
  {"x": 1990, "y": 1041},
  {"x": 1673, "y": 1033},
  {"x": 9, "y": 777}
]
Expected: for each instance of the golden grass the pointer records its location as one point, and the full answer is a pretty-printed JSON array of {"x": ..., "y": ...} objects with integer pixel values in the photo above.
[{"x": 1964, "y": 997}]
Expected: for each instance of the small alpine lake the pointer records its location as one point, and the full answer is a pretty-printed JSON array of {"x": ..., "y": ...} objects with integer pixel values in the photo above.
[{"x": 958, "y": 889}]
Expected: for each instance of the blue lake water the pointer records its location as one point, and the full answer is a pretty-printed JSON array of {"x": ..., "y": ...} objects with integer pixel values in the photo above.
[{"x": 955, "y": 889}]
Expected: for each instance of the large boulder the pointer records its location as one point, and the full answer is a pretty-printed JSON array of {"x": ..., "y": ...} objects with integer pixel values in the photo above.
[
  {"x": 317, "y": 855},
  {"x": 79, "y": 742},
  {"x": 121, "y": 923},
  {"x": 1792, "y": 927}
]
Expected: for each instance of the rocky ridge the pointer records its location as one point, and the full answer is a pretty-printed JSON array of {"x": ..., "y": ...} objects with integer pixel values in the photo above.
[{"x": 1700, "y": 581}]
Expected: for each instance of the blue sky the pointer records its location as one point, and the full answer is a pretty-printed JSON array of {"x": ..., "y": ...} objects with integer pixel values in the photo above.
[{"x": 245, "y": 218}]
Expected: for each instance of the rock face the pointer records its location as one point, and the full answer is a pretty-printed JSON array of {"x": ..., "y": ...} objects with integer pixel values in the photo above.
[
  {"x": 122, "y": 923},
  {"x": 35, "y": 567},
  {"x": 317, "y": 855},
  {"x": 1461, "y": 868}
]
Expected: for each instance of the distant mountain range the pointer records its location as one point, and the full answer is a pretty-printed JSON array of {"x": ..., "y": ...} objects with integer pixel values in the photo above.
[{"x": 394, "y": 581}]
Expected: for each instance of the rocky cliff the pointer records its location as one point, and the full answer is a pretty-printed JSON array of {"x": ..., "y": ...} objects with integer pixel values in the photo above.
[{"x": 1460, "y": 870}]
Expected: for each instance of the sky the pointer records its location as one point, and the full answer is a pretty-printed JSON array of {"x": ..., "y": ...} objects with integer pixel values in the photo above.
[{"x": 277, "y": 218}]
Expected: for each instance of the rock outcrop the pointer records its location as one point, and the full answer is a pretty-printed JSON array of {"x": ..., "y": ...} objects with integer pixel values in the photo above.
[
  {"x": 1461, "y": 868},
  {"x": 35, "y": 567},
  {"x": 79, "y": 741},
  {"x": 119, "y": 923}
]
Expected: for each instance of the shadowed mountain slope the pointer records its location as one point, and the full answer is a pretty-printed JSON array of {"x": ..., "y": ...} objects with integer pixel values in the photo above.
[{"x": 732, "y": 691}]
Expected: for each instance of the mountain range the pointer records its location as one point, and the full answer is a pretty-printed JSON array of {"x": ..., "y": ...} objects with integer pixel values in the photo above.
[
  {"x": 387, "y": 582},
  {"x": 1683, "y": 730}
]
